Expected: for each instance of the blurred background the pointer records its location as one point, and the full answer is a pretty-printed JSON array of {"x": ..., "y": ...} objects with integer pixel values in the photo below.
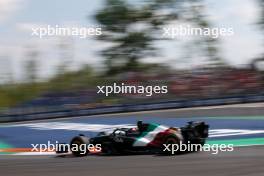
[{"x": 61, "y": 73}]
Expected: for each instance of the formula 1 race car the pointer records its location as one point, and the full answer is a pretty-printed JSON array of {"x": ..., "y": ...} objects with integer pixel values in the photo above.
[{"x": 146, "y": 137}]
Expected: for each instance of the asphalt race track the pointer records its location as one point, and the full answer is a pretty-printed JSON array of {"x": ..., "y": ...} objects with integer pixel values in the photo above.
[
  {"x": 243, "y": 161},
  {"x": 242, "y": 125}
]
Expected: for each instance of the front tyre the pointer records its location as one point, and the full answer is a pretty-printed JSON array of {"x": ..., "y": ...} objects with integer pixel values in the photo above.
[{"x": 79, "y": 146}]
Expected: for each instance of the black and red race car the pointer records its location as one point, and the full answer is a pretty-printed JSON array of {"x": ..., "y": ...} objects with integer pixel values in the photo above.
[{"x": 145, "y": 137}]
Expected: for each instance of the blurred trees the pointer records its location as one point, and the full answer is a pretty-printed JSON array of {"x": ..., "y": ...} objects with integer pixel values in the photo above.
[
  {"x": 13, "y": 94},
  {"x": 131, "y": 30},
  {"x": 262, "y": 12},
  {"x": 31, "y": 71},
  {"x": 195, "y": 15},
  {"x": 31, "y": 64}
]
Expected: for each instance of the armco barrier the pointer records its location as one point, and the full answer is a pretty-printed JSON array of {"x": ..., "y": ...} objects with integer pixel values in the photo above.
[{"x": 131, "y": 108}]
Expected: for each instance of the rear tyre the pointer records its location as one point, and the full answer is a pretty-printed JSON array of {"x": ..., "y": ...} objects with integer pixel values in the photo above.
[
  {"x": 200, "y": 143},
  {"x": 79, "y": 146},
  {"x": 173, "y": 140}
]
